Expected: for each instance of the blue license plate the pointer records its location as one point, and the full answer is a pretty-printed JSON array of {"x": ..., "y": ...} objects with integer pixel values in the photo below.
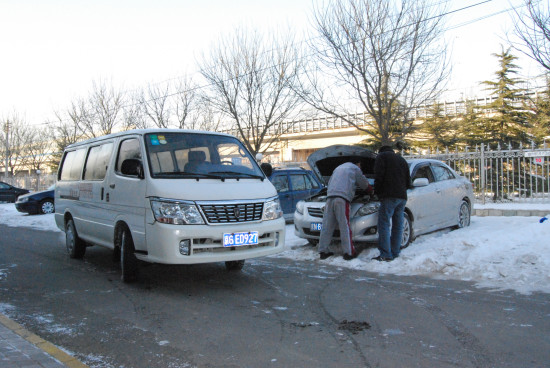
[
  {"x": 316, "y": 226},
  {"x": 240, "y": 239}
]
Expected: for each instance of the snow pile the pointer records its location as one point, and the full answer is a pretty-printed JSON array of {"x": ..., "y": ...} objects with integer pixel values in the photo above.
[{"x": 494, "y": 252}]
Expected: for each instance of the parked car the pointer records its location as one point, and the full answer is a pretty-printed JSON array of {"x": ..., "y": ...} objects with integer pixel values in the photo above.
[
  {"x": 440, "y": 198},
  {"x": 38, "y": 202},
  {"x": 293, "y": 185},
  {"x": 9, "y": 193}
]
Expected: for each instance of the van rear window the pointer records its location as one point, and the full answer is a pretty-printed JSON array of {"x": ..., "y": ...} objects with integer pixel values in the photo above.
[{"x": 72, "y": 165}]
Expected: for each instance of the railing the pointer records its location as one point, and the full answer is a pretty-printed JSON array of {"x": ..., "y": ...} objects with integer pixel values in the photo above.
[
  {"x": 32, "y": 182},
  {"x": 501, "y": 175},
  {"x": 315, "y": 124}
]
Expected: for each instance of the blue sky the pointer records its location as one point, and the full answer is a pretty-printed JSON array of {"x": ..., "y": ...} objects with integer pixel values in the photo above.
[{"x": 52, "y": 50}]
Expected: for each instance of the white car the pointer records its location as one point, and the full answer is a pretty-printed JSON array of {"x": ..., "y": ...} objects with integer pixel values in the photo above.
[{"x": 440, "y": 198}]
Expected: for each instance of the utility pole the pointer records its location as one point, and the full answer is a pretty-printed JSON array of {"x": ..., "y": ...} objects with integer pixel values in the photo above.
[{"x": 7, "y": 131}]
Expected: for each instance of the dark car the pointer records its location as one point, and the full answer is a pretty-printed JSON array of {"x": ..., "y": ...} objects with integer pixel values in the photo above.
[
  {"x": 37, "y": 202},
  {"x": 293, "y": 185},
  {"x": 9, "y": 193}
]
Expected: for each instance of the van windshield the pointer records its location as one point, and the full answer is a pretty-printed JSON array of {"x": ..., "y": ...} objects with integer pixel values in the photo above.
[{"x": 196, "y": 155}]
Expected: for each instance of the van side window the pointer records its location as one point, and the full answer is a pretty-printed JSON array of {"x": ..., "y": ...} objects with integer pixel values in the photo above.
[
  {"x": 72, "y": 164},
  {"x": 129, "y": 148},
  {"x": 97, "y": 162}
]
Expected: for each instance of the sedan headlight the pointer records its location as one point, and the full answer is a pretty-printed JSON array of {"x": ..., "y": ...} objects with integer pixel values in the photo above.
[
  {"x": 368, "y": 209},
  {"x": 176, "y": 213},
  {"x": 23, "y": 200},
  {"x": 272, "y": 209},
  {"x": 300, "y": 207}
]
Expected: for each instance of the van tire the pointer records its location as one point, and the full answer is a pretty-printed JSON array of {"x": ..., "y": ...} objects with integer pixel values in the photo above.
[
  {"x": 128, "y": 261},
  {"x": 234, "y": 265},
  {"x": 75, "y": 246}
]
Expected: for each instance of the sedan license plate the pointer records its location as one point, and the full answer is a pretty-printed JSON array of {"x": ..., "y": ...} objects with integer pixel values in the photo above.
[
  {"x": 240, "y": 239},
  {"x": 316, "y": 226}
]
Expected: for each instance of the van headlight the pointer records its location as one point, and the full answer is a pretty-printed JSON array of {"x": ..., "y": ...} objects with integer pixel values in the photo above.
[
  {"x": 272, "y": 209},
  {"x": 368, "y": 209},
  {"x": 176, "y": 213},
  {"x": 300, "y": 207}
]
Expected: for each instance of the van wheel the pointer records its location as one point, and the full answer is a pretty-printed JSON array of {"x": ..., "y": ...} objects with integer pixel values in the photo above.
[
  {"x": 234, "y": 265},
  {"x": 75, "y": 246},
  {"x": 128, "y": 261}
]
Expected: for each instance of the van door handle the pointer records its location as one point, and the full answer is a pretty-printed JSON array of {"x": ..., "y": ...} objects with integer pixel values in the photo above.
[{"x": 112, "y": 186}]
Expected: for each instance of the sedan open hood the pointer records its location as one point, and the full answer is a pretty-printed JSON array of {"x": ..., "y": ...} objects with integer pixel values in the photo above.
[{"x": 325, "y": 160}]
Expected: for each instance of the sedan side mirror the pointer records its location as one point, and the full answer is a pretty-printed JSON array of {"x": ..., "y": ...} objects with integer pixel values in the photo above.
[
  {"x": 132, "y": 167},
  {"x": 420, "y": 182}
]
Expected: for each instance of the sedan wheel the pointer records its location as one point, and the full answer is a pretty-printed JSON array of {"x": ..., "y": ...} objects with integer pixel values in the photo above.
[
  {"x": 47, "y": 206},
  {"x": 464, "y": 215},
  {"x": 407, "y": 232}
]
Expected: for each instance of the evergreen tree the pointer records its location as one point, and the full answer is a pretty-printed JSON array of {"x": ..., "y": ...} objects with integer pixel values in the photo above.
[
  {"x": 505, "y": 120},
  {"x": 471, "y": 129},
  {"x": 539, "y": 119},
  {"x": 438, "y": 130}
]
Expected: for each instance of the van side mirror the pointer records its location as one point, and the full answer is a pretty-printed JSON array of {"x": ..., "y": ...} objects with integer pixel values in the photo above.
[
  {"x": 132, "y": 167},
  {"x": 420, "y": 182}
]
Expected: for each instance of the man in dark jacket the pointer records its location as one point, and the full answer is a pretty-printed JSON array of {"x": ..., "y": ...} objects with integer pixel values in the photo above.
[{"x": 391, "y": 181}]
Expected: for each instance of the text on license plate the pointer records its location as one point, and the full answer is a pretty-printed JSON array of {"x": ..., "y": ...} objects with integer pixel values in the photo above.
[
  {"x": 239, "y": 239},
  {"x": 316, "y": 226}
]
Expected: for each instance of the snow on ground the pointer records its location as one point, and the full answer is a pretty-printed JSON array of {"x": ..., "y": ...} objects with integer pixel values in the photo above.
[{"x": 493, "y": 252}]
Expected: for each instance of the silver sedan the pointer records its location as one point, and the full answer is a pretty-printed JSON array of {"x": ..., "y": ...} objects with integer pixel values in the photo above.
[{"x": 440, "y": 198}]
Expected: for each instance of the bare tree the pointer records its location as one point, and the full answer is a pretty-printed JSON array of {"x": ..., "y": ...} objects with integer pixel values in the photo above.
[
  {"x": 185, "y": 106},
  {"x": 378, "y": 56},
  {"x": 63, "y": 131},
  {"x": 156, "y": 105},
  {"x": 532, "y": 27},
  {"x": 134, "y": 116},
  {"x": 37, "y": 151},
  {"x": 17, "y": 139},
  {"x": 252, "y": 82}
]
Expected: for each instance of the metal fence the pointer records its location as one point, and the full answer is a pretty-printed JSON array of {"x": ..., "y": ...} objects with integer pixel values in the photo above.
[
  {"x": 521, "y": 175},
  {"x": 32, "y": 182}
]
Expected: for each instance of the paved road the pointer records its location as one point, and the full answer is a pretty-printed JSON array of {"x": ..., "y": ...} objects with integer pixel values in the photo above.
[{"x": 275, "y": 313}]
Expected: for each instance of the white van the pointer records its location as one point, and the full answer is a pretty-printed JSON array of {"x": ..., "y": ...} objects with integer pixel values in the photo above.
[{"x": 167, "y": 196}]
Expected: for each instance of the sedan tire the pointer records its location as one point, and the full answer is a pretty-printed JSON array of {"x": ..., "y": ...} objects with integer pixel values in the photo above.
[
  {"x": 464, "y": 214},
  {"x": 408, "y": 236},
  {"x": 47, "y": 206}
]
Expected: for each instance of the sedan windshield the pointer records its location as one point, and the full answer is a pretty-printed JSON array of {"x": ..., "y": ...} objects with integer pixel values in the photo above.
[{"x": 196, "y": 155}]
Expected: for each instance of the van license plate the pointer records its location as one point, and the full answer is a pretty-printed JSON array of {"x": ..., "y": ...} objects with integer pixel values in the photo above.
[
  {"x": 240, "y": 239},
  {"x": 316, "y": 226}
]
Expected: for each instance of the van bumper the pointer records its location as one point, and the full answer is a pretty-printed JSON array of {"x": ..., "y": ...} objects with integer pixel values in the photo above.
[{"x": 163, "y": 242}]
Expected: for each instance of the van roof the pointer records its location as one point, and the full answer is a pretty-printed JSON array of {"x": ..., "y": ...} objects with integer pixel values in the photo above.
[{"x": 143, "y": 132}]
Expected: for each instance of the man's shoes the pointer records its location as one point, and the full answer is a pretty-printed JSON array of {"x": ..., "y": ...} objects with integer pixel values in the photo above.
[
  {"x": 349, "y": 257},
  {"x": 380, "y": 259},
  {"x": 325, "y": 255}
]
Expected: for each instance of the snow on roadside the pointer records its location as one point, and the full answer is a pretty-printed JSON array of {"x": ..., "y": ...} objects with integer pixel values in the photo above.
[{"x": 493, "y": 252}]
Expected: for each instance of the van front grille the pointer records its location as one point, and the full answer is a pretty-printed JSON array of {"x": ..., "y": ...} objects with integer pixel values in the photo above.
[{"x": 224, "y": 213}]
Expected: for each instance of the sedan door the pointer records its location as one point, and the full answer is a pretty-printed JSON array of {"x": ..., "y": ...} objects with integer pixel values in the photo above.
[
  {"x": 4, "y": 192},
  {"x": 301, "y": 187},
  {"x": 281, "y": 184},
  {"x": 450, "y": 190},
  {"x": 425, "y": 202}
]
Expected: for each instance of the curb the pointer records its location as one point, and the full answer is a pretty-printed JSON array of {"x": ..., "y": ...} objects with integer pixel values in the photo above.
[
  {"x": 502, "y": 212},
  {"x": 42, "y": 344}
]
